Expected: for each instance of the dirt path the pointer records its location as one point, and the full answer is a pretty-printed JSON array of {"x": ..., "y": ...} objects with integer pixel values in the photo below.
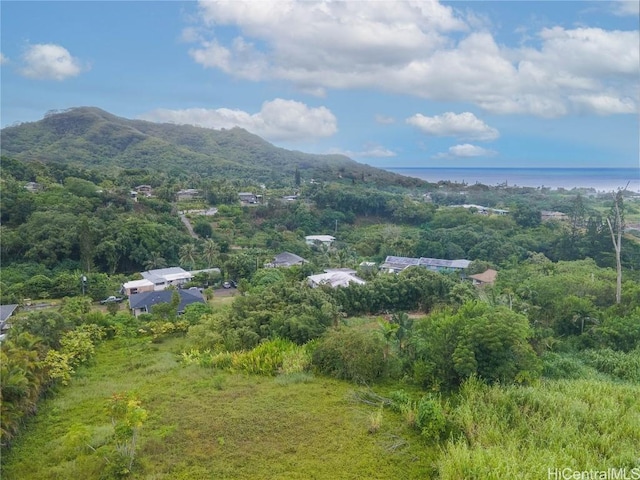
[{"x": 187, "y": 224}]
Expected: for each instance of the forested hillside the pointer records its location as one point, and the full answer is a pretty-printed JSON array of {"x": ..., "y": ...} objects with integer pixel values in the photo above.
[{"x": 90, "y": 137}]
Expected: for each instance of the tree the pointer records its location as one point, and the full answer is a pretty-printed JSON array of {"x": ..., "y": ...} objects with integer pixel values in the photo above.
[
  {"x": 155, "y": 261},
  {"x": 87, "y": 244},
  {"x": 616, "y": 227},
  {"x": 210, "y": 251},
  {"x": 297, "y": 177},
  {"x": 188, "y": 254}
]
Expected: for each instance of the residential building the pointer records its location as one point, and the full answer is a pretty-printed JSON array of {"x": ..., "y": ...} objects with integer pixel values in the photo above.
[
  {"x": 5, "y": 313},
  {"x": 394, "y": 264},
  {"x": 339, "y": 277},
  {"x": 144, "y": 190},
  {"x": 143, "y": 302},
  {"x": 483, "y": 210},
  {"x": 546, "y": 215},
  {"x": 319, "y": 239},
  {"x": 488, "y": 277},
  {"x": 33, "y": 187},
  {"x": 286, "y": 259},
  {"x": 248, "y": 197},
  {"x": 137, "y": 286},
  {"x": 187, "y": 194},
  {"x": 163, "y": 277}
]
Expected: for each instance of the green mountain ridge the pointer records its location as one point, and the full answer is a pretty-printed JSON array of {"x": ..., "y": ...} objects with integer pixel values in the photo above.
[{"x": 91, "y": 137}]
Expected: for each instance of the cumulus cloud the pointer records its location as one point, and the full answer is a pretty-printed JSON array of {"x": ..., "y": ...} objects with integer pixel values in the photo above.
[
  {"x": 464, "y": 125},
  {"x": 422, "y": 48},
  {"x": 369, "y": 151},
  {"x": 47, "y": 61},
  {"x": 3, "y": 59},
  {"x": 466, "y": 150},
  {"x": 278, "y": 119}
]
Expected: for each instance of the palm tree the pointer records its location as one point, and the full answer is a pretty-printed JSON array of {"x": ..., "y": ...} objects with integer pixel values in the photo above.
[
  {"x": 188, "y": 254},
  {"x": 210, "y": 251},
  {"x": 155, "y": 261}
]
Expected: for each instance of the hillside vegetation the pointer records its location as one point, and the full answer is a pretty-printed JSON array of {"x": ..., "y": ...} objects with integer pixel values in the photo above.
[
  {"x": 90, "y": 137},
  {"x": 419, "y": 374}
]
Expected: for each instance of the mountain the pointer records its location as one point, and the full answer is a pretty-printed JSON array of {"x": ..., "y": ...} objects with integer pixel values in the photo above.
[{"x": 92, "y": 138}]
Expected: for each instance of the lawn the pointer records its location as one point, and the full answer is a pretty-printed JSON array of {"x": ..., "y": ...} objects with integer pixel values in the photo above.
[{"x": 206, "y": 424}]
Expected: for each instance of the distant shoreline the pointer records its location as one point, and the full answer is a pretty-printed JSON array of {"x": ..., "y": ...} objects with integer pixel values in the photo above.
[{"x": 599, "y": 179}]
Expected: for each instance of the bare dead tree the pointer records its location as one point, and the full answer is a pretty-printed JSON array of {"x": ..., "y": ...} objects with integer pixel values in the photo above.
[{"x": 616, "y": 229}]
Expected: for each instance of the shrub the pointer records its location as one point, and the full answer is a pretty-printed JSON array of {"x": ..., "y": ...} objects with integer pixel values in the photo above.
[
  {"x": 430, "y": 418},
  {"x": 350, "y": 354},
  {"x": 618, "y": 333},
  {"x": 266, "y": 359},
  {"x": 625, "y": 366},
  {"x": 555, "y": 365}
]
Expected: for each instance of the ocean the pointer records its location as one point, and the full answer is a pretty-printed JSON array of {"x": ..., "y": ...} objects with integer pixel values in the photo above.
[{"x": 600, "y": 179}]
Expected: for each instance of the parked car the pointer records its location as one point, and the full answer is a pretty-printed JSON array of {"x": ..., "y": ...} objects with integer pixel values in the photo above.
[
  {"x": 111, "y": 299},
  {"x": 226, "y": 285}
]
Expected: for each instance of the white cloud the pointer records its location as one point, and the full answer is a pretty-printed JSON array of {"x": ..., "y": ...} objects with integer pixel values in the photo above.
[
  {"x": 50, "y": 62},
  {"x": 3, "y": 59},
  {"x": 603, "y": 104},
  {"x": 466, "y": 150},
  {"x": 464, "y": 125},
  {"x": 409, "y": 47},
  {"x": 370, "y": 151},
  {"x": 626, "y": 7},
  {"x": 278, "y": 119},
  {"x": 384, "y": 119}
]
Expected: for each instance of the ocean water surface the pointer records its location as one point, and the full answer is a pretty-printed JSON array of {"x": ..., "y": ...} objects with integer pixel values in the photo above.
[{"x": 600, "y": 179}]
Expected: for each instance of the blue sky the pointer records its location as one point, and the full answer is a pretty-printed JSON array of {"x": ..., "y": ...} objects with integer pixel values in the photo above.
[{"x": 391, "y": 84}]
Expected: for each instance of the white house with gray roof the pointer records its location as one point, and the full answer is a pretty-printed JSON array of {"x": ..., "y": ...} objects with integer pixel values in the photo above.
[{"x": 159, "y": 279}]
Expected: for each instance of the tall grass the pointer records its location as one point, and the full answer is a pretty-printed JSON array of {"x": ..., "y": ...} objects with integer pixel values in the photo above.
[{"x": 521, "y": 432}]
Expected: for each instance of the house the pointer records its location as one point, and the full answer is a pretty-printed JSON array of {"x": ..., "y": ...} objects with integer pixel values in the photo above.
[
  {"x": 5, "y": 313},
  {"x": 248, "y": 197},
  {"x": 546, "y": 215},
  {"x": 286, "y": 259},
  {"x": 33, "y": 187},
  {"x": 488, "y": 277},
  {"x": 159, "y": 279},
  {"x": 367, "y": 266},
  {"x": 163, "y": 277},
  {"x": 137, "y": 286},
  {"x": 484, "y": 210},
  {"x": 144, "y": 190},
  {"x": 143, "y": 302},
  {"x": 319, "y": 239},
  {"x": 338, "y": 277},
  {"x": 187, "y": 194},
  {"x": 394, "y": 264}
]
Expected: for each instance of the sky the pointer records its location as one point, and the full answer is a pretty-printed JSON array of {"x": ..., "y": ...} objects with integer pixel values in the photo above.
[{"x": 388, "y": 83}]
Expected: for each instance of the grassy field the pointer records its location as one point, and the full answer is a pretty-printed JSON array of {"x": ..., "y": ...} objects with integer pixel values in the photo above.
[
  {"x": 209, "y": 424},
  {"x": 205, "y": 424}
]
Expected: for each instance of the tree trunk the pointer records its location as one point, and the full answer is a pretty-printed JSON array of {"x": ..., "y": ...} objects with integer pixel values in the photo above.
[{"x": 616, "y": 238}]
